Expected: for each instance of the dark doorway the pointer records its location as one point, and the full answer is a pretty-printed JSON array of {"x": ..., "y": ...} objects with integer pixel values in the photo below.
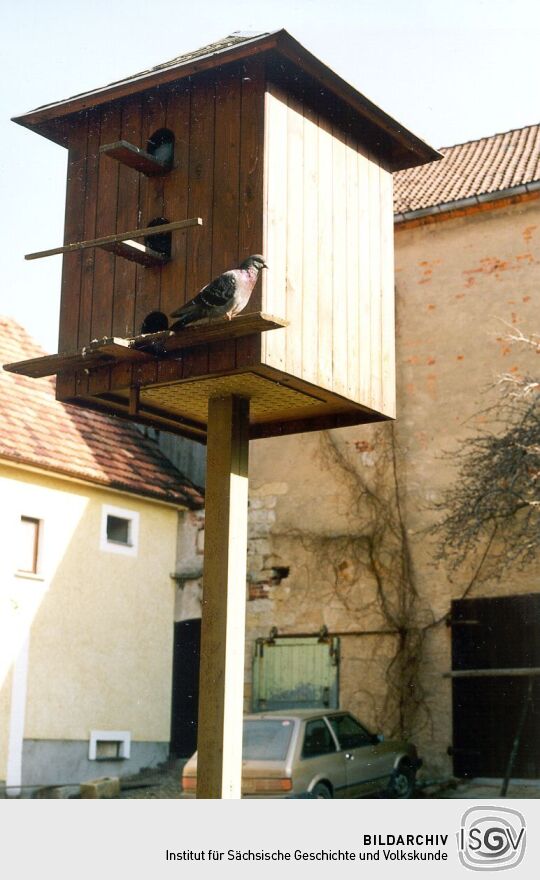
[
  {"x": 185, "y": 688},
  {"x": 502, "y": 633}
]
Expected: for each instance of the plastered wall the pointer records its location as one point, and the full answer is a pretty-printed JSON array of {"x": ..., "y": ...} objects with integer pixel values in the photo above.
[{"x": 99, "y": 623}]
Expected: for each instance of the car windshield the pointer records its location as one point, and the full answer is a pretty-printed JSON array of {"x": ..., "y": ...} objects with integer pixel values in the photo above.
[{"x": 266, "y": 739}]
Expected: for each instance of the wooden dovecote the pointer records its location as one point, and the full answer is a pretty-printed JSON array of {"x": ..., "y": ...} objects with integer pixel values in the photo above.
[{"x": 254, "y": 146}]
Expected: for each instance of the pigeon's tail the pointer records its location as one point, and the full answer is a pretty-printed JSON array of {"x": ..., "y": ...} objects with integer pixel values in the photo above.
[
  {"x": 185, "y": 314},
  {"x": 183, "y": 319}
]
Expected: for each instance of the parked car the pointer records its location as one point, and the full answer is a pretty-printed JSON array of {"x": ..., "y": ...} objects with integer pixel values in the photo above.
[{"x": 322, "y": 754}]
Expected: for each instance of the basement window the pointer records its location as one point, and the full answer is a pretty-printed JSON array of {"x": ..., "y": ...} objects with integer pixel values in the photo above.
[
  {"x": 119, "y": 530},
  {"x": 109, "y": 745}
]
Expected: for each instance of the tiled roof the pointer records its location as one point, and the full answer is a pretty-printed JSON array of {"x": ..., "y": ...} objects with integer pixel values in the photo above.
[
  {"x": 38, "y": 430},
  {"x": 479, "y": 168}
]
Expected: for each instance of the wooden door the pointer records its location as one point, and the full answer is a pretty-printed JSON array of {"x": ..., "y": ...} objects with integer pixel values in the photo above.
[
  {"x": 495, "y": 634},
  {"x": 185, "y": 687}
]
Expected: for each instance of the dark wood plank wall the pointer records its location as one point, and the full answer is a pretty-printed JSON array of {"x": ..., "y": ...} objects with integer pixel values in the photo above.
[
  {"x": 218, "y": 123},
  {"x": 250, "y": 220},
  {"x": 173, "y": 274},
  {"x": 89, "y": 209},
  {"x": 201, "y": 195},
  {"x": 152, "y": 206},
  {"x": 106, "y": 222},
  {"x": 73, "y": 230},
  {"x": 129, "y": 194},
  {"x": 226, "y": 196},
  {"x": 267, "y": 174}
]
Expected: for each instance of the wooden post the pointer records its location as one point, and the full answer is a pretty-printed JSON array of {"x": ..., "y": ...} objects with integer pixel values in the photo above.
[{"x": 219, "y": 743}]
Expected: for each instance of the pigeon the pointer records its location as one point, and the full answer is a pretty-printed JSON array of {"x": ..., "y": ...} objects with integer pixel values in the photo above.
[{"x": 226, "y": 295}]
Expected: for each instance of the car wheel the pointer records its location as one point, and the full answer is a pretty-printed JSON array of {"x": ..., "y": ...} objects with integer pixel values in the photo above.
[
  {"x": 321, "y": 791},
  {"x": 402, "y": 782}
]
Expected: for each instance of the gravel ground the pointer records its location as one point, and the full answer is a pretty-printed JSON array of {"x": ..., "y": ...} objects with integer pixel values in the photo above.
[
  {"x": 478, "y": 790},
  {"x": 165, "y": 782},
  {"x": 159, "y": 782}
]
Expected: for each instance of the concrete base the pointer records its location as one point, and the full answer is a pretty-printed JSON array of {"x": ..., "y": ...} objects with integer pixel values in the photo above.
[
  {"x": 65, "y": 762},
  {"x": 106, "y": 787}
]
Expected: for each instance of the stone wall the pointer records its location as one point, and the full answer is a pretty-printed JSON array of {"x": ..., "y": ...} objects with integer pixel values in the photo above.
[{"x": 339, "y": 521}]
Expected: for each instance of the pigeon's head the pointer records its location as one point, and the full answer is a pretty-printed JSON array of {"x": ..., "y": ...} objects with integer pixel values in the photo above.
[{"x": 256, "y": 261}]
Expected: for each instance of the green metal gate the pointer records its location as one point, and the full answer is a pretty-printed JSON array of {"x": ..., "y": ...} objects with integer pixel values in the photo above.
[{"x": 296, "y": 673}]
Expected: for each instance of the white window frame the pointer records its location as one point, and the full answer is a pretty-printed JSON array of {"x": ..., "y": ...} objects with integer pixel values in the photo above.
[
  {"x": 120, "y": 736},
  {"x": 132, "y": 516}
]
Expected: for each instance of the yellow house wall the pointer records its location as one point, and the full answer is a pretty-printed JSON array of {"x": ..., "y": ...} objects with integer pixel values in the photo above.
[
  {"x": 5, "y": 705},
  {"x": 100, "y": 623}
]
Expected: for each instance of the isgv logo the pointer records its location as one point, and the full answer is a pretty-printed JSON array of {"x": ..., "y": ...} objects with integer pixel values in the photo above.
[{"x": 491, "y": 838}]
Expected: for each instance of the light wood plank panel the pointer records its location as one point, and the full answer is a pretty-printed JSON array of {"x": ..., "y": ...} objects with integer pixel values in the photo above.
[
  {"x": 364, "y": 289},
  {"x": 388, "y": 348},
  {"x": 325, "y": 256},
  {"x": 310, "y": 299},
  {"x": 276, "y": 182},
  {"x": 339, "y": 264},
  {"x": 375, "y": 284},
  {"x": 295, "y": 233},
  {"x": 353, "y": 278}
]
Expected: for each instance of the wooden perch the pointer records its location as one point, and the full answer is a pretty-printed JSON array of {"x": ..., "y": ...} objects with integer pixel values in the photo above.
[
  {"x": 98, "y": 354},
  {"x": 111, "y": 350},
  {"x": 119, "y": 236},
  {"x": 135, "y": 157},
  {"x": 212, "y": 330},
  {"x": 136, "y": 252}
]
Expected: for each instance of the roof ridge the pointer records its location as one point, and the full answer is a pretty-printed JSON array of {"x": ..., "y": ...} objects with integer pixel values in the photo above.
[
  {"x": 233, "y": 39},
  {"x": 490, "y": 136}
]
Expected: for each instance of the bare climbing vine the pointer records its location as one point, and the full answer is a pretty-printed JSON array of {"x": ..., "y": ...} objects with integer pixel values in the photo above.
[
  {"x": 385, "y": 551},
  {"x": 371, "y": 573},
  {"x": 373, "y": 577}
]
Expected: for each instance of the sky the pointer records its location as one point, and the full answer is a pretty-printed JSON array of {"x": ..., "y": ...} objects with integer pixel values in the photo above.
[{"x": 449, "y": 72}]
